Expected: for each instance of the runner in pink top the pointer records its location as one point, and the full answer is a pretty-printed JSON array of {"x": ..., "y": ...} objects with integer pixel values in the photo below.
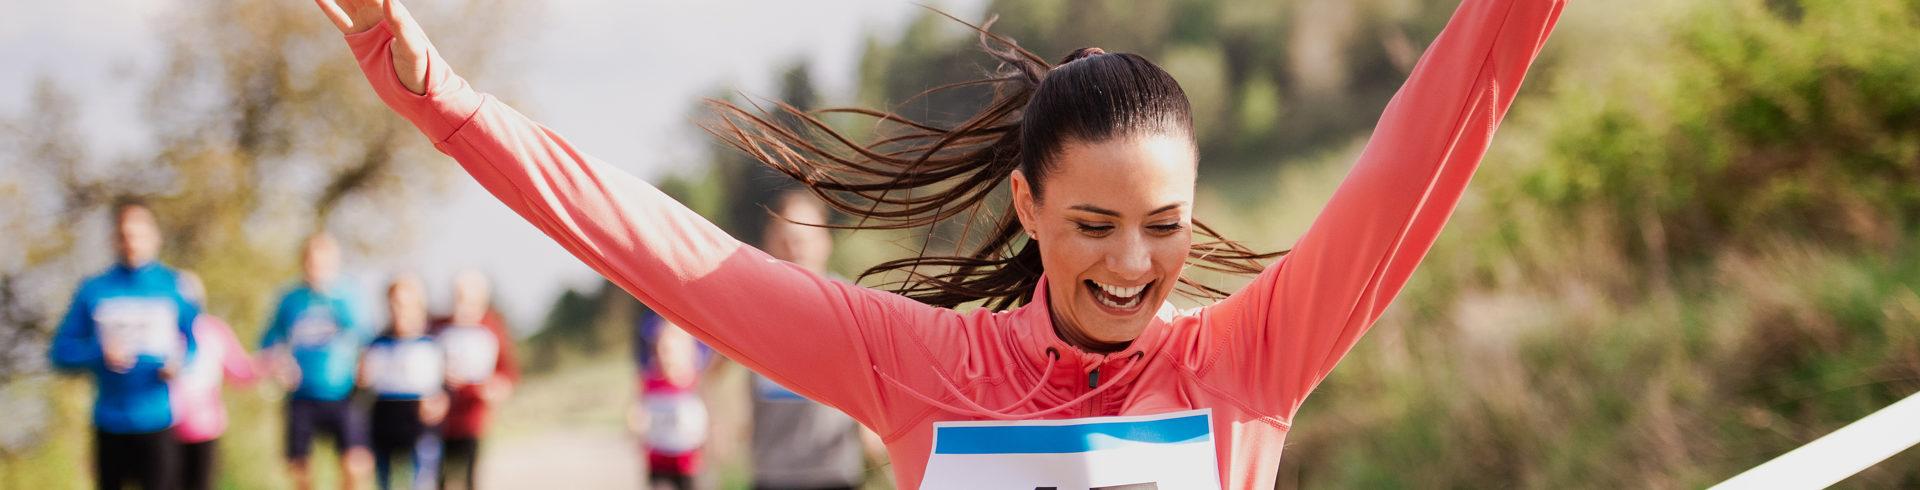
[
  {"x": 199, "y": 414},
  {"x": 199, "y": 417},
  {"x": 909, "y": 370}
]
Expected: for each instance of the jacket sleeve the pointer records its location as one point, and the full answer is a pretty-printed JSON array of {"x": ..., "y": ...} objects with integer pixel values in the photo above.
[
  {"x": 1283, "y": 333},
  {"x": 506, "y": 365},
  {"x": 276, "y": 331},
  {"x": 75, "y": 346},
  {"x": 189, "y": 314}
]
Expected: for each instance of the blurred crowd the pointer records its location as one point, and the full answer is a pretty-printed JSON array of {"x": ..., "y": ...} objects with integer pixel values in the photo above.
[{"x": 405, "y": 403}]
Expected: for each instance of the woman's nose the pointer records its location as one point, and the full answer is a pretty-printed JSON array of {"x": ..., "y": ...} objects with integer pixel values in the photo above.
[{"x": 1131, "y": 260}]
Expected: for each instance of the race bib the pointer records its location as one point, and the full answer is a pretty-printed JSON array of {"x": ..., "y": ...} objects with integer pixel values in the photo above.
[
  {"x": 1173, "y": 450},
  {"x": 313, "y": 329},
  {"x": 405, "y": 368},
  {"x": 144, "y": 326},
  {"x": 676, "y": 422},
  {"x": 471, "y": 352}
]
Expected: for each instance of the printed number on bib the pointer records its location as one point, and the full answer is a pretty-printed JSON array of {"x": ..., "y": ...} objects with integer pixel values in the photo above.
[
  {"x": 1167, "y": 451},
  {"x": 145, "y": 326}
]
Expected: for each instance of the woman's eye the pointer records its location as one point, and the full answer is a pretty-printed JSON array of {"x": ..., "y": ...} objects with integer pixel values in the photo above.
[
  {"x": 1093, "y": 229},
  {"x": 1167, "y": 228}
]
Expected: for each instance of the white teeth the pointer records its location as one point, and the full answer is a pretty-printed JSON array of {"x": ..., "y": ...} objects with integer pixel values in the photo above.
[
  {"x": 1127, "y": 297},
  {"x": 1128, "y": 303},
  {"x": 1122, "y": 292}
]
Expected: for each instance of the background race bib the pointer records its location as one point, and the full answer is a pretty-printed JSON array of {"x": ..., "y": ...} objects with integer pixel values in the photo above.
[
  {"x": 1173, "y": 450},
  {"x": 676, "y": 422},
  {"x": 471, "y": 352},
  {"x": 147, "y": 326},
  {"x": 407, "y": 367}
]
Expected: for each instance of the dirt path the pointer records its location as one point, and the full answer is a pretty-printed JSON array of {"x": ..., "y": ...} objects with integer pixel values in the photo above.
[
  {"x": 570, "y": 459},
  {"x": 564, "y": 430},
  {"x": 567, "y": 431}
]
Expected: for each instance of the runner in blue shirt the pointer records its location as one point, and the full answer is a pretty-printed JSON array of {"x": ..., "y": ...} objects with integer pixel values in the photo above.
[
  {"x": 131, "y": 329},
  {"x": 315, "y": 338},
  {"x": 406, "y": 370}
]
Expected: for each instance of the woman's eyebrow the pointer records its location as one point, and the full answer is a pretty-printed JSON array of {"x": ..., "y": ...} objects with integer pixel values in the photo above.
[
  {"x": 1100, "y": 210},
  {"x": 1095, "y": 209}
]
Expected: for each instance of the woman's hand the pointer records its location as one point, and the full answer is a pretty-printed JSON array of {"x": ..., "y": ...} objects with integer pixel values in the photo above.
[{"x": 409, "y": 45}]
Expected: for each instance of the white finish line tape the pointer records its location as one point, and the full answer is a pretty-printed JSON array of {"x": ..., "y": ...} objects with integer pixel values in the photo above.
[{"x": 1852, "y": 449}]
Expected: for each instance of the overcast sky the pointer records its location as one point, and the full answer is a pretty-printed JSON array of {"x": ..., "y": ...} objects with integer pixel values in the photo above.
[{"x": 617, "y": 77}]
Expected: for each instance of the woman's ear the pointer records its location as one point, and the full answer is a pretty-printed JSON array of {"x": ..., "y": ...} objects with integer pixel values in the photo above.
[{"x": 1024, "y": 204}]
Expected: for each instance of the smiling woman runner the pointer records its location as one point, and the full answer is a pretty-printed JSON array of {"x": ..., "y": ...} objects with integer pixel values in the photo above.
[{"x": 1069, "y": 376}]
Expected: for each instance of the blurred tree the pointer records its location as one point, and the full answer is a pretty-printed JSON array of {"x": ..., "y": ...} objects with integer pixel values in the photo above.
[{"x": 1270, "y": 80}]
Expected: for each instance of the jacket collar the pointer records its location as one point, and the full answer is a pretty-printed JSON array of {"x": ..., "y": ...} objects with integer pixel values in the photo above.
[
  {"x": 1033, "y": 336},
  {"x": 133, "y": 270}
]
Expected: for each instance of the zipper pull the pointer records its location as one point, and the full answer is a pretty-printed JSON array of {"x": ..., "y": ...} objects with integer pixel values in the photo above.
[{"x": 1093, "y": 378}]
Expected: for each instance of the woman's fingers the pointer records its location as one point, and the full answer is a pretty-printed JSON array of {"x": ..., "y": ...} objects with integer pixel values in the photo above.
[
  {"x": 410, "y": 46},
  {"x": 392, "y": 10},
  {"x": 353, "y": 16},
  {"x": 410, "y": 43},
  {"x": 408, "y": 38},
  {"x": 338, "y": 17}
]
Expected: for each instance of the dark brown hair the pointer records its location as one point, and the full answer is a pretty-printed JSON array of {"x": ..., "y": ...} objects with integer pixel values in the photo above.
[{"x": 917, "y": 174}]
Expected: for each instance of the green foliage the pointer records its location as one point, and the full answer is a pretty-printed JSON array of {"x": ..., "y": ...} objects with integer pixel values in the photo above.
[
  {"x": 1762, "y": 120},
  {"x": 1683, "y": 258},
  {"x": 1546, "y": 388},
  {"x": 582, "y": 327}
]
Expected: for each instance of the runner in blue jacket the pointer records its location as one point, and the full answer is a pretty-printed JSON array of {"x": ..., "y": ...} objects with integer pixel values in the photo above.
[
  {"x": 132, "y": 329},
  {"x": 314, "y": 341}
]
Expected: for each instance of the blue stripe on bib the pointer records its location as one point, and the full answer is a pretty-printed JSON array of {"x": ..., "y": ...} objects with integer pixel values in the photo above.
[{"x": 1079, "y": 438}]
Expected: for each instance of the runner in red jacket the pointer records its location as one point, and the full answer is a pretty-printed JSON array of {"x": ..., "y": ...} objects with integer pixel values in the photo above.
[{"x": 481, "y": 371}]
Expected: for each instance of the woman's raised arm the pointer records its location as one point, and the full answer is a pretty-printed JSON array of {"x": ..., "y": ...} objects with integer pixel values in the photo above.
[
  {"x": 1287, "y": 329},
  {"x": 818, "y": 336}
]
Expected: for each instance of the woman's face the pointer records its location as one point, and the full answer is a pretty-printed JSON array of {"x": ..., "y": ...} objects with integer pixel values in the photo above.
[{"x": 1113, "y": 225}]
